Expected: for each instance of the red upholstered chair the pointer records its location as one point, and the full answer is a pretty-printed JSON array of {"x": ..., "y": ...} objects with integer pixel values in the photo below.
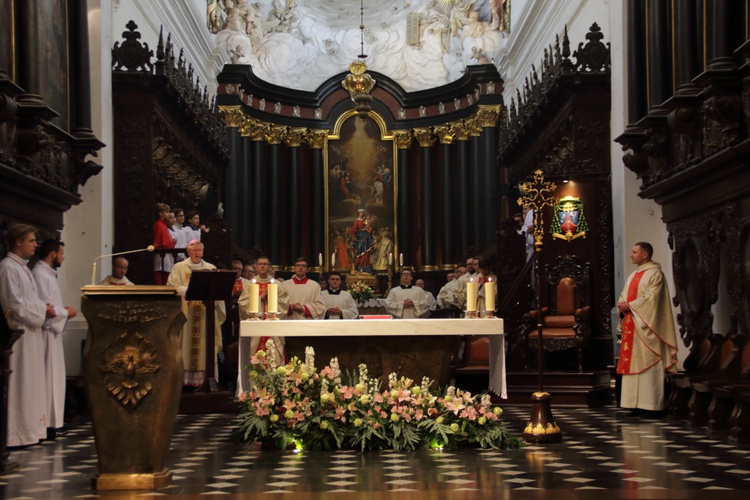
[{"x": 565, "y": 323}]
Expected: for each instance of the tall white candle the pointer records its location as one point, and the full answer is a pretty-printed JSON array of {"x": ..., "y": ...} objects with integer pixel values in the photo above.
[
  {"x": 390, "y": 259},
  {"x": 333, "y": 259},
  {"x": 273, "y": 297},
  {"x": 471, "y": 295},
  {"x": 320, "y": 259},
  {"x": 254, "y": 298},
  {"x": 489, "y": 295},
  {"x": 401, "y": 260}
]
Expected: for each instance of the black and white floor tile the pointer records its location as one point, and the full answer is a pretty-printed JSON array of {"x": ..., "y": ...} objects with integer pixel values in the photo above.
[{"x": 605, "y": 453}]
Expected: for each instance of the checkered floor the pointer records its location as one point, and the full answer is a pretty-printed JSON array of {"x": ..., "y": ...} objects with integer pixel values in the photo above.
[{"x": 603, "y": 449}]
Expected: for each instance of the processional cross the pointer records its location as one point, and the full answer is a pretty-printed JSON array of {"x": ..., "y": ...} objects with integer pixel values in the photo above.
[{"x": 541, "y": 427}]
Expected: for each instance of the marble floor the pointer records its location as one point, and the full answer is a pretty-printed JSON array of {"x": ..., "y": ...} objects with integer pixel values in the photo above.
[{"x": 606, "y": 453}]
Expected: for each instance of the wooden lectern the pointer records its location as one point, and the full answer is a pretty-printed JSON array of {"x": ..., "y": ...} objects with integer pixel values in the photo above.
[
  {"x": 133, "y": 374},
  {"x": 208, "y": 287}
]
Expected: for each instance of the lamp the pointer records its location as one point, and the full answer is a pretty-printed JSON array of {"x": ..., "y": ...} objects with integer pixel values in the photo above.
[{"x": 358, "y": 82}]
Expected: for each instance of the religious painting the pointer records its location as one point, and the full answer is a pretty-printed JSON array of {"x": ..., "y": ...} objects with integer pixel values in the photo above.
[{"x": 360, "y": 194}]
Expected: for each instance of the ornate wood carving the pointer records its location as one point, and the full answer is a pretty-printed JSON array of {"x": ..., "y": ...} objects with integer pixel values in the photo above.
[
  {"x": 691, "y": 154},
  {"x": 559, "y": 122},
  {"x": 170, "y": 144}
]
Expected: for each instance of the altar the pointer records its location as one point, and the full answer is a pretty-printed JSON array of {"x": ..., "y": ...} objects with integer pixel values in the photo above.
[{"x": 410, "y": 347}]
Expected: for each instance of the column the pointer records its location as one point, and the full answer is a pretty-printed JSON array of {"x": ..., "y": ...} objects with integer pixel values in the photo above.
[
  {"x": 316, "y": 139},
  {"x": 402, "y": 231},
  {"x": 232, "y": 180},
  {"x": 487, "y": 116},
  {"x": 273, "y": 136},
  {"x": 293, "y": 139},
  {"x": 460, "y": 217},
  {"x": 446, "y": 135},
  {"x": 245, "y": 188},
  {"x": 426, "y": 210},
  {"x": 686, "y": 46},
  {"x": 81, "y": 88},
  {"x": 258, "y": 205},
  {"x": 474, "y": 217},
  {"x": 659, "y": 53},
  {"x": 719, "y": 32}
]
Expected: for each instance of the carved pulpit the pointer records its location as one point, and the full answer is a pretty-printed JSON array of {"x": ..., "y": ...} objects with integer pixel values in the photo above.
[{"x": 133, "y": 373}]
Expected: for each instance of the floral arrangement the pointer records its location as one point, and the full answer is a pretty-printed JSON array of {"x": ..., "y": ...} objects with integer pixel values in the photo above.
[
  {"x": 361, "y": 292},
  {"x": 294, "y": 404}
]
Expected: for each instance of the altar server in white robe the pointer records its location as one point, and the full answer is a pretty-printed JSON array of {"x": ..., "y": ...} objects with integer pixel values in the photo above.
[
  {"x": 406, "y": 301},
  {"x": 194, "y": 331},
  {"x": 27, "y": 413},
  {"x": 52, "y": 255},
  {"x": 339, "y": 303},
  {"x": 305, "y": 301},
  {"x": 119, "y": 270},
  {"x": 430, "y": 298}
]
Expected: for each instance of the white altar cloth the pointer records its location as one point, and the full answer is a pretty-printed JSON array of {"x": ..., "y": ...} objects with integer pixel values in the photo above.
[{"x": 379, "y": 327}]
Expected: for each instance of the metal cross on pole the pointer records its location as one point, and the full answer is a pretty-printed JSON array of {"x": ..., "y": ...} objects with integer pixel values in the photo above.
[{"x": 541, "y": 427}]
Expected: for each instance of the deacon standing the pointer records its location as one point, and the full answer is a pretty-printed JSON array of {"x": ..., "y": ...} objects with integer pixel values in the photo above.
[
  {"x": 194, "y": 330},
  {"x": 649, "y": 343},
  {"x": 52, "y": 255},
  {"x": 406, "y": 301},
  {"x": 339, "y": 303},
  {"x": 27, "y": 408},
  {"x": 305, "y": 301},
  {"x": 119, "y": 270}
]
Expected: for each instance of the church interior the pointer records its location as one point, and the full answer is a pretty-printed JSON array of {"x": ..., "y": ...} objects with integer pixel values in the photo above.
[{"x": 437, "y": 124}]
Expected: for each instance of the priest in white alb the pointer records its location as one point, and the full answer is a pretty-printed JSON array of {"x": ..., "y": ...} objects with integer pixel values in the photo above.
[
  {"x": 339, "y": 303},
  {"x": 194, "y": 330},
  {"x": 305, "y": 301},
  {"x": 406, "y": 301},
  {"x": 27, "y": 409},
  {"x": 51, "y": 256}
]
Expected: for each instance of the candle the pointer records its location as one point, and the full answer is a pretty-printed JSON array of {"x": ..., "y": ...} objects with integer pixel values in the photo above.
[
  {"x": 333, "y": 259},
  {"x": 401, "y": 260},
  {"x": 489, "y": 295},
  {"x": 320, "y": 260},
  {"x": 471, "y": 295},
  {"x": 390, "y": 259},
  {"x": 254, "y": 296},
  {"x": 273, "y": 297}
]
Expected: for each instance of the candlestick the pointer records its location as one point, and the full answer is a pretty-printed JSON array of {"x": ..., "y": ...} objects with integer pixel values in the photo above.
[
  {"x": 273, "y": 297},
  {"x": 489, "y": 296},
  {"x": 471, "y": 296},
  {"x": 401, "y": 260},
  {"x": 254, "y": 298}
]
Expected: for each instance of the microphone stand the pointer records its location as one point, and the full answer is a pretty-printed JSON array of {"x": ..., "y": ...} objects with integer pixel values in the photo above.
[{"x": 149, "y": 248}]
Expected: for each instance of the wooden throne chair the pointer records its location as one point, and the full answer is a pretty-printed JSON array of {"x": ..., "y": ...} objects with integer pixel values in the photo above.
[{"x": 565, "y": 322}]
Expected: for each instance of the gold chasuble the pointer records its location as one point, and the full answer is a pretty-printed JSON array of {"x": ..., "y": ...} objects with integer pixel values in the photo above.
[{"x": 194, "y": 331}]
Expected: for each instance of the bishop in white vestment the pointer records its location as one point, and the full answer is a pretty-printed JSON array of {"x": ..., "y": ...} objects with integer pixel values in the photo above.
[
  {"x": 194, "y": 331},
  {"x": 407, "y": 301}
]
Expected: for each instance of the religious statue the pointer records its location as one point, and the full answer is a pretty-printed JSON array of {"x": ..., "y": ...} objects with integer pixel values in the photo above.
[{"x": 363, "y": 242}]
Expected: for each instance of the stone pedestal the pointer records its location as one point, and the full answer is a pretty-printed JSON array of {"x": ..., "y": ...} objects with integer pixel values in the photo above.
[{"x": 133, "y": 373}]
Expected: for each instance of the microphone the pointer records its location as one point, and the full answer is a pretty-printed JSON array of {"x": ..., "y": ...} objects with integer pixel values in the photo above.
[{"x": 149, "y": 248}]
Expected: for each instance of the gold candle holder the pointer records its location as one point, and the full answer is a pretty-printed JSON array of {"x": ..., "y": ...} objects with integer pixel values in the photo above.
[
  {"x": 272, "y": 316},
  {"x": 490, "y": 314},
  {"x": 471, "y": 315},
  {"x": 253, "y": 317}
]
